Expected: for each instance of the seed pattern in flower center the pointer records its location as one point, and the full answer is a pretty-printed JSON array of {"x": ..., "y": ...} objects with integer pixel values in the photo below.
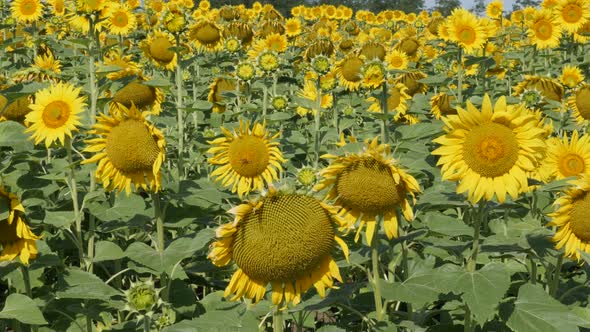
[
  {"x": 56, "y": 114},
  {"x": 131, "y": 148},
  {"x": 248, "y": 156},
  {"x": 490, "y": 149},
  {"x": 571, "y": 164},
  {"x": 579, "y": 221}
]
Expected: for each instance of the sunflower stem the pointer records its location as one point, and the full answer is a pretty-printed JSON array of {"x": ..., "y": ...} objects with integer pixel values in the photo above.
[
  {"x": 478, "y": 219},
  {"x": 159, "y": 221},
  {"x": 375, "y": 275},
  {"x": 384, "y": 129},
  {"x": 467, "y": 324},
  {"x": 74, "y": 194},
  {"x": 460, "y": 77},
  {"x": 146, "y": 323},
  {"x": 556, "y": 274},
  {"x": 27, "y": 281},
  {"x": 317, "y": 124},
  {"x": 278, "y": 324},
  {"x": 533, "y": 276},
  {"x": 180, "y": 111},
  {"x": 264, "y": 101}
]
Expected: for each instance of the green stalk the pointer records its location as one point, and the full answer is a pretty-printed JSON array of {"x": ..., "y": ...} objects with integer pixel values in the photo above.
[
  {"x": 179, "y": 109},
  {"x": 460, "y": 77},
  {"x": 533, "y": 270},
  {"x": 556, "y": 274},
  {"x": 74, "y": 193},
  {"x": 472, "y": 261},
  {"x": 278, "y": 323},
  {"x": 467, "y": 324},
  {"x": 264, "y": 101},
  {"x": 375, "y": 275},
  {"x": 27, "y": 280},
  {"x": 146, "y": 323},
  {"x": 384, "y": 110},
  {"x": 159, "y": 221},
  {"x": 317, "y": 123}
]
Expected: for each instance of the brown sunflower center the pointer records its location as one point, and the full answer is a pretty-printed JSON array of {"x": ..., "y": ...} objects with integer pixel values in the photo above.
[
  {"x": 368, "y": 186},
  {"x": 286, "y": 238},
  {"x": 28, "y": 7},
  {"x": 579, "y": 221},
  {"x": 131, "y": 148},
  {"x": 56, "y": 114},
  {"x": 571, "y": 13},
  {"x": 8, "y": 232},
  {"x": 543, "y": 30},
  {"x": 120, "y": 19},
  {"x": 409, "y": 46},
  {"x": 466, "y": 35},
  {"x": 207, "y": 34},
  {"x": 351, "y": 69},
  {"x": 396, "y": 61},
  {"x": 583, "y": 102},
  {"x": 159, "y": 49},
  {"x": 490, "y": 149},
  {"x": 571, "y": 164},
  {"x": 136, "y": 93},
  {"x": 248, "y": 155}
]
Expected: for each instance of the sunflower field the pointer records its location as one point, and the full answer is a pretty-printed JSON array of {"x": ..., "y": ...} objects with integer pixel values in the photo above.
[{"x": 171, "y": 166}]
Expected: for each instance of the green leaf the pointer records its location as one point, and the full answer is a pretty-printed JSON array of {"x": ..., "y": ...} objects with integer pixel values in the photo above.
[
  {"x": 222, "y": 320},
  {"x": 23, "y": 309},
  {"x": 202, "y": 105},
  {"x": 59, "y": 219},
  {"x": 483, "y": 289},
  {"x": 446, "y": 225},
  {"x": 84, "y": 285},
  {"x": 107, "y": 251},
  {"x": 12, "y": 135},
  {"x": 435, "y": 80},
  {"x": 330, "y": 328},
  {"x": 535, "y": 310},
  {"x": 158, "y": 82},
  {"x": 4, "y": 208}
]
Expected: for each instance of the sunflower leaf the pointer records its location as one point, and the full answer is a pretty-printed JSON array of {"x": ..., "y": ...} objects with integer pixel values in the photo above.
[
  {"x": 23, "y": 309},
  {"x": 12, "y": 135}
]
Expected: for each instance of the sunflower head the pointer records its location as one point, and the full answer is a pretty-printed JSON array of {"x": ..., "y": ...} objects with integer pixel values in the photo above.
[
  {"x": 410, "y": 80},
  {"x": 321, "y": 46},
  {"x": 157, "y": 48},
  {"x": 17, "y": 110},
  {"x": 26, "y": 11},
  {"x": 571, "y": 76},
  {"x": 286, "y": 240},
  {"x": 441, "y": 105},
  {"x": 16, "y": 238},
  {"x": 349, "y": 72},
  {"x": 548, "y": 87},
  {"x": 141, "y": 95},
  {"x": 373, "y": 50},
  {"x": 241, "y": 30},
  {"x": 216, "y": 90},
  {"x": 465, "y": 29},
  {"x": 206, "y": 35},
  {"x": 580, "y": 103}
]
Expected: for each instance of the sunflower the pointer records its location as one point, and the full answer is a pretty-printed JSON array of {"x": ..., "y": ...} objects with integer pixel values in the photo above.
[
  {"x": 129, "y": 150},
  {"x": 206, "y": 35},
  {"x": 58, "y": 7},
  {"x": 247, "y": 158},
  {"x": 466, "y": 30},
  {"x": 580, "y": 103},
  {"x": 310, "y": 92},
  {"x": 543, "y": 31},
  {"x": 286, "y": 240},
  {"x": 570, "y": 217},
  {"x": 16, "y": 238},
  {"x": 120, "y": 20},
  {"x": 142, "y": 96},
  {"x": 55, "y": 113},
  {"x": 572, "y": 14},
  {"x": 441, "y": 105},
  {"x": 366, "y": 185},
  {"x": 490, "y": 152},
  {"x": 549, "y": 88},
  {"x": 349, "y": 72},
  {"x": 571, "y": 76},
  {"x": 157, "y": 48},
  {"x": 397, "y": 101},
  {"x": 26, "y": 11},
  {"x": 396, "y": 59},
  {"x": 567, "y": 158},
  {"x": 495, "y": 9},
  {"x": 17, "y": 110},
  {"x": 293, "y": 27},
  {"x": 321, "y": 46},
  {"x": 216, "y": 89},
  {"x": 373, "y": 74},
  {"x": 410, "y": 80},
  {"x": 409, "y": 46}
]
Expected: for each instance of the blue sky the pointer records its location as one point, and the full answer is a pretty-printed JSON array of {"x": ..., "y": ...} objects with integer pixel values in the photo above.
[{"x": 468, "y": 4}]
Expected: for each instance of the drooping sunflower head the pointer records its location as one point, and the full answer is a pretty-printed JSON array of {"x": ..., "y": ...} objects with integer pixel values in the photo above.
[
  {"x": 241, "y": 30},
  {"x": 284, "y": 240},
  {"x": 129, "y": 150},
  {"x": 246, "y": 158},
  {"x": 410, "y": 80},
  {"x": 143, "y": 96},
  {"x": 409, "y": 46},
  {"x": 580, "y": 103},
  {"x": 441, "y": 105},
  {"x": 549, "y": 88},
  {"x": 349, "y": 72},
  {"x": 217, "y": 87},
  {"x": 270, "y": 26},
  {"x": 157, "y": 48},
  {"x": 26, "y": 11},
  {"x": 373, "y": 50},
  {"x": 206, "y": 35},
  {"x": 369, "y": 184},
  {"x": 16, "y": 239},
  {"x": 571, "y": 218},
  {"x": 491, "y": 151},
  {"x": 17, "y": 110},
  {"x": 55, "y": 113}
]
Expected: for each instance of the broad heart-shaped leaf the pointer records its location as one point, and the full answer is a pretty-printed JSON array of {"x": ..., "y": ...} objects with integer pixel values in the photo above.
[
  {"x": 23, "y": 309},
  {"x": 535, "y": 310},
  {"x": 483, "y": 289},
  {"x": 107, "y": 251},
  {"x": 218, "y": 321},
  {"x": 83, "y": 285},
  {"x": 12, "y": 135}
]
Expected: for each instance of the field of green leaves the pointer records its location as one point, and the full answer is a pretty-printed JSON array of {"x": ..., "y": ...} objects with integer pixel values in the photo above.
[{"x": 171, "y": 166}]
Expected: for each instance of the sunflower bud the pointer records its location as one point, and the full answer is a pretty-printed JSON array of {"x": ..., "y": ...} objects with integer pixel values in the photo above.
[
  {"x": 321, "y": 64},
  {"x": 348, "y": 110},
  {"x": 245, "y": 71},
  {"x": 142, "y": 297},
  {"x": 531, "y": 98},
  {"x": 280, "y": 103},
  {"x": 306, "y": 176},
  {"x": 166, "y": 318}
]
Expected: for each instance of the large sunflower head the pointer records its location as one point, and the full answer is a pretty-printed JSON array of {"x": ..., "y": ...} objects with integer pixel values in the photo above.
[
  {"x": 17, "y": 110},
  {"x": 373, "y": 50},
  {"x": 321, "y": 46},
  {"x": 285, "y": 240},
  {"x": 567, "y": 158},
  {"x": 143, "y": 96},
  {"x": 157, "y": 48},
  {"x": 129, "y": 150},
  {"x": 216, "y": 89},
  {"x": 246, "y": 158},
  {"x": 572, "y": 14},
  {"x": 120, "y": 19},
  {"x": 490, "y": 151},
  {"x": 55, "y": 113},
  {"x": 241, "y": 30},
  {"x": 548, "y": 87},
  {"x": 580, "y": 103},
  {"x": 410, "y": 80},
  {"x": 26, "y": 11},
  {"x": 571, "y": 218},
  {"x": 544, "y": 31},
  {"x": 369, "y": 184},
  {"x": 16, "y": 238},
  {"x": 466, "y": 30},
  {"x": 349, "y": 72},
  {"x": 206, "y": 35},
  {"x": 408, "y": 45}
]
